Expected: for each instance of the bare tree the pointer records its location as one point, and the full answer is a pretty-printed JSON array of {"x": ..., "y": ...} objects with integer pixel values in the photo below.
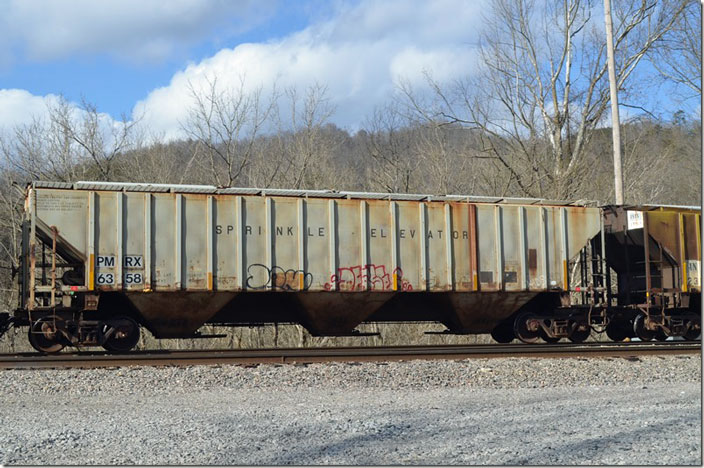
[
  {"x": 446, "y": 157},
  {"x": 542, "y": 89},
  {"x": 90, "y": 135},
  {"x": 11, "y": 214},
  {"x": 70, "y": 144},
  {"x": 643, "y": 158},
  {"x": 225, "y": 123},
  {"x": 154, "y": 160},
  {"x": 391, "y": 166},
  {"x": 300, "y": 154},
  {"x": 678, "y": 56},
  {"x": 41, "y": 150},
  {"x": 655, "y": 155},
  {"x": 310, "y": 151}
]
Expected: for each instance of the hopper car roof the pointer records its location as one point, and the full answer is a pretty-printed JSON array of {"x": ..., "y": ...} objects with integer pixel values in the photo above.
[
  {"x": 210, "y": 189},
  {"x": 651, "y": 207}
]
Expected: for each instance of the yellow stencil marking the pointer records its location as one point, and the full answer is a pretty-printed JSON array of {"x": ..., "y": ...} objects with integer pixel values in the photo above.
[
  {"x": 682, "y": 257},
  {"x": 91, "y": 273}
]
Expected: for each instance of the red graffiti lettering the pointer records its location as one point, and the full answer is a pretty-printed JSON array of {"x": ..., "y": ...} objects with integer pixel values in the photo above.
[{"x": 363, "y": 277}]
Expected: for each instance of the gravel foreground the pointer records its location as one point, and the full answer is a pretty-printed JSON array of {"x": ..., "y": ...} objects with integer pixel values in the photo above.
[{"x": 514, "y": 411}]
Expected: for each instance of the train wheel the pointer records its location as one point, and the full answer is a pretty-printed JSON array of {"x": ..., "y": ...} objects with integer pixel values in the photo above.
[
  {"x": 580, "y": 332},
  {"x": 503, "y": 333},
  {"x": 124, "y": 337},
  {"x": 694, "y": 332},
  {"x": 639, "y": 328},
  {"x": 660, "y": 335},
  {"x": 44, "y": 335},
  {"x": 617, "y": 331},
  {"x": 547, "y": 338},
  {"x": 526, "y": 328}
]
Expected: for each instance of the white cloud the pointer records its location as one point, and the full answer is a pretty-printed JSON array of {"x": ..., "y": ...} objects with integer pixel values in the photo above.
[
  {"x": 358, "y": 54},
  {"x": 20, "y": 107},
  {"x": 132, "y": 29}
]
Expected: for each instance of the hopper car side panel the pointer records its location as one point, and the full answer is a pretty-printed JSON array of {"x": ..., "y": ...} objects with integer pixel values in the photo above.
[{"x": 194, "y": 242}]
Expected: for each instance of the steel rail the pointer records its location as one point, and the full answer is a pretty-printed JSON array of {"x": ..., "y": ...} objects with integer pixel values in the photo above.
[{"x": 344, "y": 354}]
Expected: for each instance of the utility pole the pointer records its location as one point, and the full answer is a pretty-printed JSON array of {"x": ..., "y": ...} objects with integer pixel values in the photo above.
[{"x": 615, "y": 127}]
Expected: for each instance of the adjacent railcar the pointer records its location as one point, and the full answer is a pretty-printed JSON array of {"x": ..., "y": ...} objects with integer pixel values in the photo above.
[
  {"x": 101, "y": 260},
  {"x": 654, "y": 255}
]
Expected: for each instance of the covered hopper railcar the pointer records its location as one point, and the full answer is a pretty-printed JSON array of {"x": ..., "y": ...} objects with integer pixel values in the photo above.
[{"x": 101, "y": 260}]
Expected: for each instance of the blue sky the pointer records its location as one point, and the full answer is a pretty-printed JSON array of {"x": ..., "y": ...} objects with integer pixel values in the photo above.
[
  {"x": 116, "y": 82},
  {"x": 138, "y": 57}
]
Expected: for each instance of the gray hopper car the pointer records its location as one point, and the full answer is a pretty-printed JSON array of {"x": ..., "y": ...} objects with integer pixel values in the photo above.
[{"x": 101, "y": 260}]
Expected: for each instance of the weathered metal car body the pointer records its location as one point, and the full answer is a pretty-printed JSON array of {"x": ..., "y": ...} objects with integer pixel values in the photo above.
[
  {"x": 100, "y": 259},
  {"x": 655, "y": 253}
]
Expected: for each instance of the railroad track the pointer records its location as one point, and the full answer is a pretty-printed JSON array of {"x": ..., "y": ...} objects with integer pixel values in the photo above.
[{"x": 345, "y": 354}]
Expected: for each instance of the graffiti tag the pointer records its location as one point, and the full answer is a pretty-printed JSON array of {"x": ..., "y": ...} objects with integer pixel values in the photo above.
[
  {"x": 262, "y": 277},
  {"x": 357, "y": 277}
]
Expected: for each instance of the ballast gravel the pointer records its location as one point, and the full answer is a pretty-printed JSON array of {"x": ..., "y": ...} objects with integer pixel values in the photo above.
[{"x": 513, "y": 411}]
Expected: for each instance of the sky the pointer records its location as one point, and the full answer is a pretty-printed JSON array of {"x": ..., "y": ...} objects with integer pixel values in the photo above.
[{"x": 137, "y": 58}]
